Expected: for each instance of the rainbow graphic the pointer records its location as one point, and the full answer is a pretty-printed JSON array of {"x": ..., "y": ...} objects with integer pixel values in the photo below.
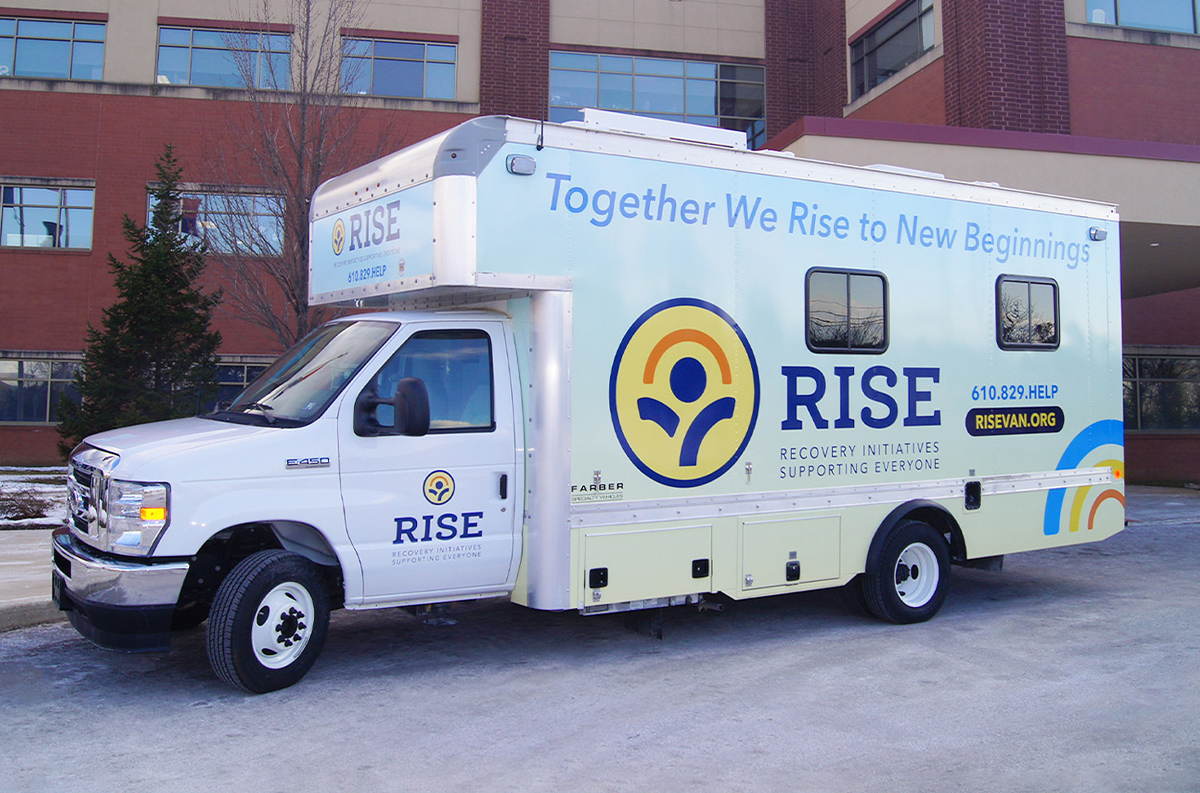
[{"x": 1092, "y": 444}]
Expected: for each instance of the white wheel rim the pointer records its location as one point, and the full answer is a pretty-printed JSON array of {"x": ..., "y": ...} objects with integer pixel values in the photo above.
[
  {"x": 916, "y": 575},
  {"x": 281, "y": 625}
]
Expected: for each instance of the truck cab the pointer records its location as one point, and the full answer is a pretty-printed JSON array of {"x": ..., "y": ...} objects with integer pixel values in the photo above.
[{"x": 375, "y": 450}]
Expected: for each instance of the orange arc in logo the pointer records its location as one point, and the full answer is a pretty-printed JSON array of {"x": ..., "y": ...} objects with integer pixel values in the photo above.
[{"x": 686, "y": 334}]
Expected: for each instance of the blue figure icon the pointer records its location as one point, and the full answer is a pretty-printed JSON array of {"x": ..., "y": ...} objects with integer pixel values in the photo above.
[{"x": 688, "y": 381}]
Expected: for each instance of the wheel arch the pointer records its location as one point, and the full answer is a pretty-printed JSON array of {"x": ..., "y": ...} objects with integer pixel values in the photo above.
[
  {"x": 227, "y": 547},
  {"x": 929, "y": 512}
]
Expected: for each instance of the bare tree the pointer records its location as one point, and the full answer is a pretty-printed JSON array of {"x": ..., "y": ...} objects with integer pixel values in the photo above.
[{"x": 295, "y": 129}]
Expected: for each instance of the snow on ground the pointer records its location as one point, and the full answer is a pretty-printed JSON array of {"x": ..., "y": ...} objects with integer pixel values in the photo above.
[{"x": 47, "y": 484}]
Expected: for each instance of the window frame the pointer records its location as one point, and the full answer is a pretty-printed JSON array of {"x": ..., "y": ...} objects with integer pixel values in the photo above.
[
  {"x": 1028, "y": 280},
  {"x": 73, "y": 361},
  {"x": 449, "y": 334},
  {"x": 1134, "y": 377},
  {"x": 230, "y": 194},
  {"x": 265, "y": 79},
  {"x": 350, "y": 40},
  {"x": 651, "y": 70},
  {"x": 62, "y": 210},
  {"x": 848, "y": 349},
  {"x": 8, "y": 68},
  {"x": 924, "y": 9},
  {"x": 1114, "y": 7}
]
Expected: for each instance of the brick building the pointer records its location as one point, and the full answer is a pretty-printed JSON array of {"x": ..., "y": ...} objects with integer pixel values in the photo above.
[{"x": 1092, "y": 98}]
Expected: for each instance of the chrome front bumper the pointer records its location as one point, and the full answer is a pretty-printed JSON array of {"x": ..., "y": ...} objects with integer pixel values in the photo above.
[{"x": 115, "y": 603}]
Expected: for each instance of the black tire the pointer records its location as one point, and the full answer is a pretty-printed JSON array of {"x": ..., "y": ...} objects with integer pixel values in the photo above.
[
  {"x": 908, "y": 582},
  {"x": 268, "y": 622}
]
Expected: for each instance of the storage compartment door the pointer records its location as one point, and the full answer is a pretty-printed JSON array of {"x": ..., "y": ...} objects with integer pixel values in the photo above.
[
  {"x": 790, "y": 551},
  {"x": 646, "y": 563}
]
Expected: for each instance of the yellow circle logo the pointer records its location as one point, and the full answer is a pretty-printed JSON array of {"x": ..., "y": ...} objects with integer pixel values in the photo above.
[
  {"x": 684, "y": 392},
  {"x": 439, "y": 487},
  {"x": 339, "y": 237}
]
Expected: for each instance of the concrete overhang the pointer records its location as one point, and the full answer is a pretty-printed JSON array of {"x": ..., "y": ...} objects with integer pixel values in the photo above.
[{"x": 1153, "y": 184}]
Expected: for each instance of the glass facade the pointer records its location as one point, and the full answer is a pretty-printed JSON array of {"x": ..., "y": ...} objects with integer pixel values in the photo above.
[
  {"x": 232, "y": 379},
  {"x": 233, "y": 223},
  {"x": 732, "y": 96},
  {"x": 51, "y": 49},
  {"x": 890, "y": 46},
  {"x": 1162, "y": 392},
  {"x": 407, "y": 69},
  {"x": 46, "y": 217},
  {"x": 224, "y": 58},
  {"x": 31, "y": 389},
  {"x": 1175, "y": 16}
]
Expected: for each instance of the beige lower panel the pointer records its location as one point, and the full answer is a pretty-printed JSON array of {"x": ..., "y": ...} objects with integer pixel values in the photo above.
[{"x": 646, "y": 563}]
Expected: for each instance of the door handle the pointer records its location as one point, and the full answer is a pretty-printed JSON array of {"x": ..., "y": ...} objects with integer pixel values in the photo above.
[{"x": 503, "y": 487}]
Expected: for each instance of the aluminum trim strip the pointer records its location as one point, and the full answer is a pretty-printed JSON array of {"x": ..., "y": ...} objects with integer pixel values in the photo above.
[{"x": 608, "y": 513}]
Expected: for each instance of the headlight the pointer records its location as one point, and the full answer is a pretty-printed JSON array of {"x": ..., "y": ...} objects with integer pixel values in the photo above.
[{"x": 136, "y": 514}]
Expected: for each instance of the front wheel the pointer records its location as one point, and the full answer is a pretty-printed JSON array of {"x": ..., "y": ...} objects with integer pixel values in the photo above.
[
  {"x": 268, "y": 622},
  {"x": 908, "y": 582}
]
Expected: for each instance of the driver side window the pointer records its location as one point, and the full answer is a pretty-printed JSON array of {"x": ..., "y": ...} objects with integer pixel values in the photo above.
[{"x": 456, "y": 367}]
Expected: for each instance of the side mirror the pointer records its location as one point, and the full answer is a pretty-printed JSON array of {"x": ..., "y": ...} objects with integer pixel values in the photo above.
[{"x": 410, "y": 405}]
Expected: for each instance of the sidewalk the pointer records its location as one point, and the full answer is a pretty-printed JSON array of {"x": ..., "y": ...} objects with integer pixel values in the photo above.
[{"x": 25, "y": 579}]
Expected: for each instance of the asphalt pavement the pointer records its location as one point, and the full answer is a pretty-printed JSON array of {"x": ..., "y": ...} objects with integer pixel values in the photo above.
[{"x": 1073, "y": 669}]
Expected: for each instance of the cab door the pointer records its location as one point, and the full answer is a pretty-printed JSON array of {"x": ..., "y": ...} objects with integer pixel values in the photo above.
[{"x": 435, "y": 515}]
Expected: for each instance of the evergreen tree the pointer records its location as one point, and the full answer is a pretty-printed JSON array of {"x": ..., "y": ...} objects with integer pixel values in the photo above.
[{"x": 155, "y": 357}]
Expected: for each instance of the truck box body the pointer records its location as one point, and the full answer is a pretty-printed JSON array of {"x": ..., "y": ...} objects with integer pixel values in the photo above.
[
  {"x": 624, "y": 364},
  {"x": 736, "y": 259}
]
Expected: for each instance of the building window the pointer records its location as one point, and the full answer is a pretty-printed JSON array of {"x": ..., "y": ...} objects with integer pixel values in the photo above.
[
  {"x": 233, "y": 375},
  {"x": 30, "y": 389},
  {"x": 409, "y": 69},
  {"x": 1162, "y": 392},
  {"x": 846, "y": 311},
  {"x": 245, "y": 223},
  {"x": 46, "y": 217},
  {"x": 52, "y": 49},
  {"x": 1177, "y": 16},
  {"x": 1026, "y": 313},
  {"x": 698, "y": 92},
  {"x": 890, "y": 46},
  {"x": 224, "y": 58}
]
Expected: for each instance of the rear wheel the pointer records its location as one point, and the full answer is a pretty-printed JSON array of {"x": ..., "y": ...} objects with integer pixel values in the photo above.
[
  {"x": 909, "y": 579},
  {"x": 268, "y": 621}
]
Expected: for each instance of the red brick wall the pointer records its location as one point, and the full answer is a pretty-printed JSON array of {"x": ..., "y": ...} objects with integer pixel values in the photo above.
[
  {"x": 1134, "y": 91},
  {"x": 805, "y": 60},
  {"x": 514, "y": 71},
  {"x": 1168, "y": 458},
  {"x": 48, "y": 297},
  {"x": 1169, "y": 318},
  {"x": 919, "y": 99},
  {"x": 29, "y": 445},
  {"x": 1006, "y": 65},
  {"x": 788, "y": 26}
]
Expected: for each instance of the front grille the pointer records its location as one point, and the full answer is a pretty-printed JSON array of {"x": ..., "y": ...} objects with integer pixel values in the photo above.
[
  {"x": 79, "y": 493},
  {"x": 62, "y": 563},
  {"x": 87, "y": 481}
]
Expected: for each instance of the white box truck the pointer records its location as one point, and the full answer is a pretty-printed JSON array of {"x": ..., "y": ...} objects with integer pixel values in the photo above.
[{"x": 624, "y": 364}]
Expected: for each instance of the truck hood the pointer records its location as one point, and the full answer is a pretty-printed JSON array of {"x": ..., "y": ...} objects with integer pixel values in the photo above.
[{"x": 195, "y": 448}]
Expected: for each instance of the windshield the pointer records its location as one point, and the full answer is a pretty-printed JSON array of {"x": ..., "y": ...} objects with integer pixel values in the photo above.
[{"x": 300, "y": 385}]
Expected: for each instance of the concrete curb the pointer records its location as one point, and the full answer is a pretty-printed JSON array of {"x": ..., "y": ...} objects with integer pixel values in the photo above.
[{"x": 27, "y": 612}]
